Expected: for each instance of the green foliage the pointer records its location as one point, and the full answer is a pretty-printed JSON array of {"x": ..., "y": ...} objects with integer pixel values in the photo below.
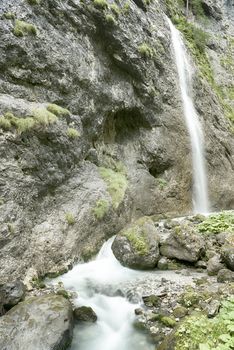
[
  {"x": 135, "y": 235},
  {"x": 38, "y": 283},
  {"x": 44, "y": 117},
  {"x": 126, "y": 8},
  {"x": 23, "y": 28},
  {"x": 197, "y": 8},
  {"x": 162, "y": 183},
  {"x": 115, "y": 9},
  {"x": 72, "y": 133},
  {"x": 199, "y": 332},
  {"x": 24, "y": 124},
  {"x": 57, "y": 110},
  {"x": 70, "y": 219},
  {"x": 223, "y": 222},
  {"x": 102, "y": 4},
  {"x": 116, "y": 184},
  {"x": 110, "y": 19},
  {"x": 145, "y": 50},
  {"x": 101, "y": 208},
  {"x": 63, "y": 292},
  {"x": 9, "y": 15},
  {"x": 11, "y": 228},
  {"x": 5, "y": 124}
]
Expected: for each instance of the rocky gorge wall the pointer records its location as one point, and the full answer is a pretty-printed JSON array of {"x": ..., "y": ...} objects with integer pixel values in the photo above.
[{"x": 118, "y": 148}]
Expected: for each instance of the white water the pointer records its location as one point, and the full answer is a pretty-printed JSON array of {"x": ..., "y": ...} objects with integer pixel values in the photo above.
[
  {"x": 200, "y": 192},
  {"x": 95, "y": 283}
]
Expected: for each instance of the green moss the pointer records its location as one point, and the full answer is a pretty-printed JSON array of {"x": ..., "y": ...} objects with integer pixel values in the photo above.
[
  {"x": 24, "y": 124},
  {"x": 110, "y": 19},
  {"x": 38, "y": 283},
  {"x": 168, "y": 321},
  {"x": 11, "y": 228},
  {"x": 101, "y": 208},
  {"x": 136, "y": 236},
  {"x": 102, "y": 4},
  {"x": 199, "y": 332},
  {"x": 70, "y": 219},
  {"x": 145, "y": 50},
  {"x": 189, "y": 298},
  {"x": 57, "y": 110},
  {"x": 5, "y": 124},
  {"x": 116, "y": 184},
  {"x": 115, "y": 9},
  {"x": 23, "y": 28},
  {"x": 72, "y": 133},
  {"x": 63, "y": 292},
  {"x": 126, "y": 8},
  {"x": 9, "y": 15},
  {"x": 222, "y": 222},
  {"x": 44, "y": 117}
]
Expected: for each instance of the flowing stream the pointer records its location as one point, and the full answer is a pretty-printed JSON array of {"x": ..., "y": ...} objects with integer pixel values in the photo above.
[
  {"x": 200, "y": 192},
  {"x": 97, "y": 283}
]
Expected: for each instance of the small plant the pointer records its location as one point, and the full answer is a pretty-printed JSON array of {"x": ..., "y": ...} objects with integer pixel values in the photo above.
[
  {"x": 9, "y": 15},
  {"x": 162, "y": 183},
  {"x": 115, "y": 9},
  {"x": 11, "y": 228},
  {"x": 5, "y": 124},
  {"x": 145, "y": 50},
  {"x": 23, "y": 28},
  {"x": 57, "y": 110},
  {"x": 110, "y": 19},
  {"x": 70, "y": 218},
  {"x": 101, "y": 208},
  {"x": 24, "y": 124},
  {"x": 72, "y": 133},
  {"x": 44, "y": 117},
  {"x": 126, "y": 8},
  {"x": 102, "y": 4}
]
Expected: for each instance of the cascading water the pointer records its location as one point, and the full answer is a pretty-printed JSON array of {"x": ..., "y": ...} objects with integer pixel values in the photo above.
[
  {"x": 97, "y": 283},
  {"x": 200, "y": 192}
]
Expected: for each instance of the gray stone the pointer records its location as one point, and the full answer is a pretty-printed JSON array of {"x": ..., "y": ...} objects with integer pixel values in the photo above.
[
  {"x": 225, "y": 275},
  {"x": 38, "y": 323},
  {"x": 136, "y": 246},
  {"x": 11, "y": 294},
  {"x": 85, "y": 313},
  {"x": 214, "y": 265},
  {"x": 227, "y": 254}
]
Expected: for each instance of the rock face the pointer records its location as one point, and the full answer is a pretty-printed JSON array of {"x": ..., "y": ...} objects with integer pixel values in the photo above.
[
  {"x": 70, "y": 179},
  {"x": 40, "y": 323},
  {"x": 137, "y": 245}
]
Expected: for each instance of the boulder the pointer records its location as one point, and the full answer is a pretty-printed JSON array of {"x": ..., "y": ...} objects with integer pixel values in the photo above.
[
  {"x": 183, "y": 244},
  {"x": 38, "y": 323},
  {"x": 137, "y": 245},
  {"x": 214, "y": 265},
  {"x": 11, "y": 294},
  {"x": 227, "y": 254},
  {"x": 225, "y": 275},
  {"x": 85, "y": 313}
]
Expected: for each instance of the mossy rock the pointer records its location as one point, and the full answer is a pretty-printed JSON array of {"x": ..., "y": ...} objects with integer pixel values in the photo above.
[{"x": 136, "y": 246}]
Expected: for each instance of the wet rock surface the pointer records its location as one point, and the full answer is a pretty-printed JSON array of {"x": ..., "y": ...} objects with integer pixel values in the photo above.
[
  {"x": 85, "y": 313},
  {"x": 44, "y": 323},
  {"x": 11, "y": 294}
]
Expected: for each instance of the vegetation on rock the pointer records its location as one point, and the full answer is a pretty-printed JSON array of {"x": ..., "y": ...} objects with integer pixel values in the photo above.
[
  {"x": 101, "y": 208},
  {"x": 222, "y": 222},
  {"x": 22, "y": 28}
]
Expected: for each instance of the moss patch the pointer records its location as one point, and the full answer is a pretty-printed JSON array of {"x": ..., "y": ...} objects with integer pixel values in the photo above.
[
  {"x": 22, "y": 28},
  {"x": 101, "y": 208},
  {"x": 70, "y": 219},
  {"x": 116, "y": 184},
  {"x": 57, "y": 110},
  {"x": 72, "y": 133}
]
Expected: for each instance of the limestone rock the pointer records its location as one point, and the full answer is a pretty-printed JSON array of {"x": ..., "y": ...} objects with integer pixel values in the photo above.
[
  {"x": 11, "y": 294},
  {"x": 214, "y": 265},
  {"x": 225, "y": 275},
  {"x": 39, "y": 323},
  {"x": 136, "y": 246}
]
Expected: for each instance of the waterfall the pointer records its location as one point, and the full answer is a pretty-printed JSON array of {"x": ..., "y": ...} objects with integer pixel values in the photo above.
[{"x": 200, "y": 192}]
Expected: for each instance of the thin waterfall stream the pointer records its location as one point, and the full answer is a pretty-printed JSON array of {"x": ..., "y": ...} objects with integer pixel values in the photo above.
[{"x": 200, "y": 192}]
